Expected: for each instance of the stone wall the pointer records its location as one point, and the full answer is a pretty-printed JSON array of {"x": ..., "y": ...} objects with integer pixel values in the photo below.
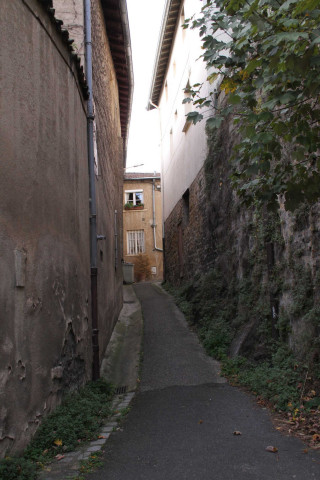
[
  {"x": 264, "y": 265},
  {"x": 188, "y": 248},
  {"x": 45, "y": 344},
  {"x": 109, "y": 179}
]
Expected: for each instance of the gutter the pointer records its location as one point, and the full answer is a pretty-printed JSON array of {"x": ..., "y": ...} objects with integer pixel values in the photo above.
[
  {"x": 141, "y": 178},
  {"x": 127, "y": 45},
  {"x": 92, "y": 197},
  {"x": 164, "y": 22}
]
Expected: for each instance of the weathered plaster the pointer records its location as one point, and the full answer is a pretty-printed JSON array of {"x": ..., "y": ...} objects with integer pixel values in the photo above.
[{"x": 44, "y": 244}]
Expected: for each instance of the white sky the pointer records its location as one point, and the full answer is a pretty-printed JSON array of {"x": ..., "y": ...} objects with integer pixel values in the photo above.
[{"x": 144, "y": 143}]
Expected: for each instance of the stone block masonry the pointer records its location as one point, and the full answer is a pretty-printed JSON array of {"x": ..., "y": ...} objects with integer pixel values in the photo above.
[{"x": 188, "y": 245}]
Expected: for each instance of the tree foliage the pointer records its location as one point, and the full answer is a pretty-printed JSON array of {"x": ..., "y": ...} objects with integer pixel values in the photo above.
[{"x": 267, "y": 56}]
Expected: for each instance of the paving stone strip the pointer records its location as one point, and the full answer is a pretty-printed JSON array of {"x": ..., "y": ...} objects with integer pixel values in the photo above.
[{"x": 69, "y": 466}]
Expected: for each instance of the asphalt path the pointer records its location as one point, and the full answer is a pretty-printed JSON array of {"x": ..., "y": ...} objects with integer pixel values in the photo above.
[{"x": 182, "y": 422}]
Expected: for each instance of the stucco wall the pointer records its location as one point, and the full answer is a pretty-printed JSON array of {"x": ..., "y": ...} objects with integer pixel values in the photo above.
[
  {"x": 183, "y": 152},
  {"x": 45, "y": 345},
  {"x": 143, "y": 220}
]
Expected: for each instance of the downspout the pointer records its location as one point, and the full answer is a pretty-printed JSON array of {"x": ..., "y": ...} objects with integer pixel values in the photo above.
[
  {"x": 92, "y": 196},
  {"x": 162, "y": 185},
  {"x": 115, "y": 239},
  {"x": 154, "y": 218}
]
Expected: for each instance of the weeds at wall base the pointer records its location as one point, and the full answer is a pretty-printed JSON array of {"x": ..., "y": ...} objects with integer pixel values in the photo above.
[
  {"x": 278, "y": 378},
  {"x": 76, "y": 421},
  {"x": 88, "y": 466}
]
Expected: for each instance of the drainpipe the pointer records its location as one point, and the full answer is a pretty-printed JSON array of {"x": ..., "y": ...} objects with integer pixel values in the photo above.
[
  {"x": 154, "y": 218},
  {"x": 92, "y": 196},
  {"x": 162, "y": 183},
  {"x": 115, "y": 239}
]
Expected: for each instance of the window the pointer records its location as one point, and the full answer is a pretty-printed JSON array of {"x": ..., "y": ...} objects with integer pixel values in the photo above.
[
  {"x": 185, "y": 206},
  {"x": 135, "y": 243},
  {"x": 171, "y": 142},
  {"x": 135, "y": 197}
]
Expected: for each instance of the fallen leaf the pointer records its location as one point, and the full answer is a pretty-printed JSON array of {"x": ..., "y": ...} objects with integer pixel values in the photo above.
[
  {"x": 305, "y": 450},
  {"x": 59, "y": 457},
  {"x": 58, "y": 443},
  {"x": 236, "y": 432},
  {"x": 316, "y": 437},
  {"x": 101, "y": 436},
  {"x": 271, "y": 449},
  {"x": 200, "y": 421}
]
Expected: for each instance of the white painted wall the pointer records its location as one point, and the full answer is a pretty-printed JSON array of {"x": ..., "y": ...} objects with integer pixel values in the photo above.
[{"x": 183, "y": 154}]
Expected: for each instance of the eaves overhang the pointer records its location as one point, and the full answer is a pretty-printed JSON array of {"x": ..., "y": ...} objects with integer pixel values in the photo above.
[
  {"x": 117, "y": 27},
  {"x": 167, "y": 34}
]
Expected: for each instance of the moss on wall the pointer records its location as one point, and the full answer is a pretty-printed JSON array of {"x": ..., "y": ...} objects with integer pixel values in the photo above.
[{"x": 262, "y": 290}]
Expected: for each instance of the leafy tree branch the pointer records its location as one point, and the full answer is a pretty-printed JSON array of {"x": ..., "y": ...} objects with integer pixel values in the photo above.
[{"x": 266, "y": 55}]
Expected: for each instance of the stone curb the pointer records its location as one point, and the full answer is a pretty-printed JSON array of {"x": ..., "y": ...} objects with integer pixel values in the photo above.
[{"x": 69, "y": 466}]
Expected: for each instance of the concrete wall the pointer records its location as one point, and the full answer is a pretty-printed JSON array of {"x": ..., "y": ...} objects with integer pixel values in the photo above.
[
  {"x": 143, "y": 220},
  {"x": 45, "y": 344}
]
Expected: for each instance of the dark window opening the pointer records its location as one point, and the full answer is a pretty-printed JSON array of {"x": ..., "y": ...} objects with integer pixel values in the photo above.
[{"x": 185, "y": 207}]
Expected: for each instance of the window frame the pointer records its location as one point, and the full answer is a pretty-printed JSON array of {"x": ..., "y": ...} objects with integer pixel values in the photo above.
[
  {"x": 136, "y": 244},
  {"x": 134, "y": 197}
]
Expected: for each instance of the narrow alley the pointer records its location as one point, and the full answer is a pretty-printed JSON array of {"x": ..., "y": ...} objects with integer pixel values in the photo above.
[{"x": 182, "y": 421}]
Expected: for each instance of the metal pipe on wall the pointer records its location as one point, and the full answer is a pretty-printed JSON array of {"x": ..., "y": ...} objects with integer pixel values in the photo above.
[
  {"x": 154, "y": 218},
  {"x": 92, "y": 195},
  {"x": 115, "y": 239}
]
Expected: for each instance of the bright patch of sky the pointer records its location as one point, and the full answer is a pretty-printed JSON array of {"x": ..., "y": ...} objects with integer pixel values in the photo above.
[{"x": 145, "y": 18}]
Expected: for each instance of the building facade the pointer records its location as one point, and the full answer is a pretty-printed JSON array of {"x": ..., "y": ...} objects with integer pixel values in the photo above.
[
  {"x": 214, "y": 244},
  {"x": 183, "y": 145},
  {"x": 45, "y": 277},
  {"x": 142, "y": 225}
]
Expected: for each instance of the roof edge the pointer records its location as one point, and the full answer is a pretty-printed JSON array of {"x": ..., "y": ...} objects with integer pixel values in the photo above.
[
  {"x": 64, "y": 34},
  {"x": 166, "y": 15},
  {"x": 125, "y": 22},
  {"x": 160, "y": 40}
]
